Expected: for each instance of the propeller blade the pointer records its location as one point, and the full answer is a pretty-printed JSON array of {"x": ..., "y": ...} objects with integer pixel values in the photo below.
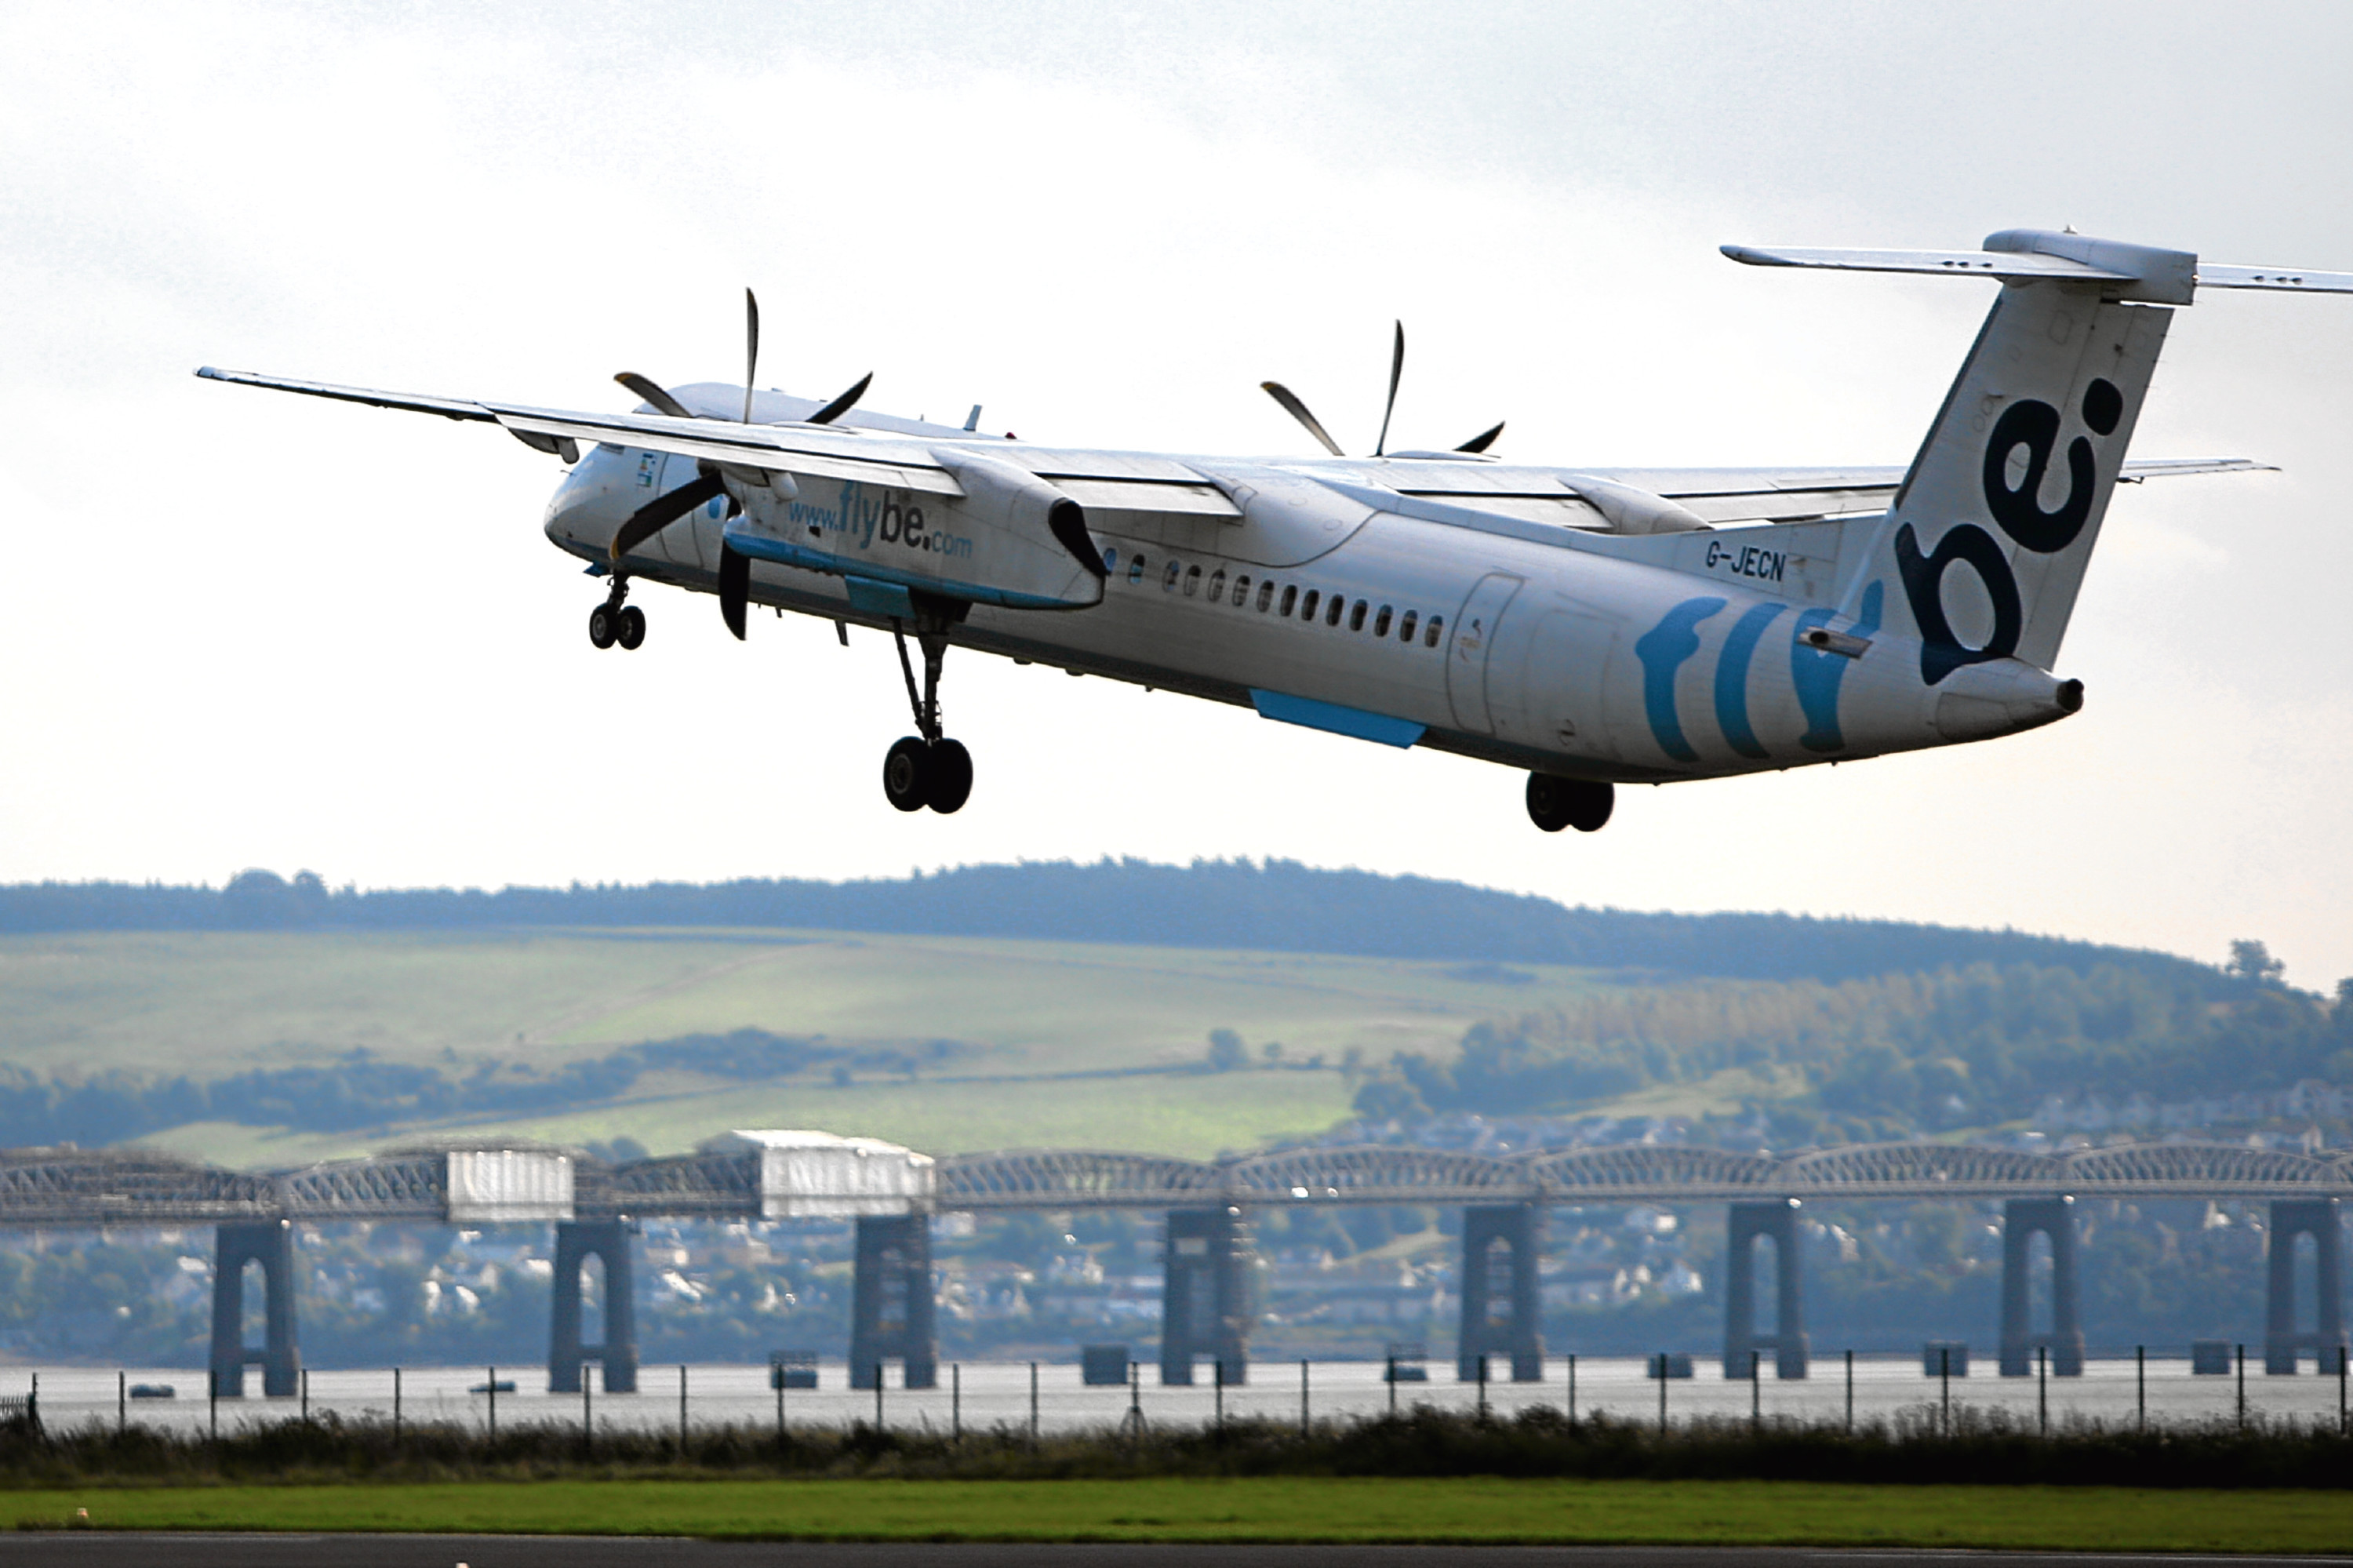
[
  {"x": 1396, "y": 373},
  {"x": 662, "y": 511},
  {"x": 843, "y": 404},
  {"x": 1298, "y": 411},
  {"x": 734, "y": 587},
  {"x": 663, "y": 401},
  {"x": 751, "y": 353},
  {"x": 1482, "y": 440}
]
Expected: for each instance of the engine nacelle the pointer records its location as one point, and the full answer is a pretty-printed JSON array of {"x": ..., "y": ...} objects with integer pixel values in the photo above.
[{"x": 1010, "y": 539}]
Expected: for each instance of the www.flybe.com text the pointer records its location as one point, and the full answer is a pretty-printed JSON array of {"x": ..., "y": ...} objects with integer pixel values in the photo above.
[{"x": 862, "y": 518}]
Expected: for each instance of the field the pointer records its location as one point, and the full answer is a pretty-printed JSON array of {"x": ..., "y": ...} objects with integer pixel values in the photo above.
[
  {"x": 1054, "y": 1043},
  {"x": 1255, "y": 1509}
]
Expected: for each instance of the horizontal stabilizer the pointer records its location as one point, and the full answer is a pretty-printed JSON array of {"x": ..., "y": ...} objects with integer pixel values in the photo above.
[
  {"x": 2021, "y": 255},
  {"x": 1950, "y": 263}
]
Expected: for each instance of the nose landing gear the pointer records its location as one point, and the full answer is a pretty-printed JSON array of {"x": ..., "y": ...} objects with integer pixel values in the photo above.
[
  {"x": 614, "y": 622},
  {"x": 926, "y": 768},
  {"x": 1580, "y": 803}
]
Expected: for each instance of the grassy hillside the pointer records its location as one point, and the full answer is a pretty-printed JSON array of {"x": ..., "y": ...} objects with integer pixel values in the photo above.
[{"x": 1034, "y": 1026}]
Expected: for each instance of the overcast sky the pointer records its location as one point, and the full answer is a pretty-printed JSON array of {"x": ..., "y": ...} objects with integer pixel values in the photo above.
[{"x": 247, "y": 629}]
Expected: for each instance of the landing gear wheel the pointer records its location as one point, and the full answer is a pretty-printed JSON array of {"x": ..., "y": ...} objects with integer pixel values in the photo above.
[
  {"x": 604, "y": 626},
  {"x": 906, "y": 773},
  {"x": 947, "y": 781},
  {"x": 1580, "y": 803},
  {"x": 632, "y": 632}
]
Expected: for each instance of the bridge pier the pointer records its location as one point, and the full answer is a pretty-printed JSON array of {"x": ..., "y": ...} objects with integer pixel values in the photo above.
[
  {"x": 2055, "y": 1218},
  {"x": 1205, "y": 1295},
  {"x": 1502, "y": 1302},
  {"x": 2282, "y": 1343},
  {"x": 269, "y": 1243},
  {"x": 891, "y": 1313},
  {"x": 577, "y": 1241},
  {"x": 1775, "y": 1222}
]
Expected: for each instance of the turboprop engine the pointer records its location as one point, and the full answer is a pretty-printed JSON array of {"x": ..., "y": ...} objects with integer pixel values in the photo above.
[{"x": 1003, "y": 537}]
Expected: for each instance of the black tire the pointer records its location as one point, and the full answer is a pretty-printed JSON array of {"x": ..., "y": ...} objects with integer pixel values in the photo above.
[
  {"x": 1547, "y": 801},
  {"x": 906, "y": 773},
  {"x": 1581, "y": 803},
  {"x": 602, "y": 626},
  {"x": 947, "y": 782},
  {"x": 632, "y": 632}
]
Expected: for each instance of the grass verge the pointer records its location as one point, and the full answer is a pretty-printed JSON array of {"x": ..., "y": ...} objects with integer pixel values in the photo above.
[{"x": 1266, "y": 1508}]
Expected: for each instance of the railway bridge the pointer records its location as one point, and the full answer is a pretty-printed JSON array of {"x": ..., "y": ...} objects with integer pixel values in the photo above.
[{"x": 891, "y": 1192}]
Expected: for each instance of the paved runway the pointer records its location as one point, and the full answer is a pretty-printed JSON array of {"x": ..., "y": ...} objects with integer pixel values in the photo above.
[{"x": 188, "y": 1550}]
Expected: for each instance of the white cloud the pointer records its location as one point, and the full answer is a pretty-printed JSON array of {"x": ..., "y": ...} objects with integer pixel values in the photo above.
[{"x": 248, "y": 629}]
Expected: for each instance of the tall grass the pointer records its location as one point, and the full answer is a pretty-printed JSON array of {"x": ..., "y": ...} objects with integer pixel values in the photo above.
[{"x": 1982, "y": 1447}]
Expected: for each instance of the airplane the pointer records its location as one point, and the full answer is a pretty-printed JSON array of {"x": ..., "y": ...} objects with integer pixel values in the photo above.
[{"x": 1591, "y": 627}]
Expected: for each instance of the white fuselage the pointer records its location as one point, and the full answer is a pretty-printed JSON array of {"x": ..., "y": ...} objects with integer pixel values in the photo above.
[{"x": 1637, "y": 659}]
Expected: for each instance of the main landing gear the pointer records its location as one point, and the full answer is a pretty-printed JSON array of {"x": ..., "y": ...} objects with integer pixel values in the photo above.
[
  {"x": 614, "y": 622},
  {"x": 1581, "y": 803},
  {"x": 926, "y": 768}
]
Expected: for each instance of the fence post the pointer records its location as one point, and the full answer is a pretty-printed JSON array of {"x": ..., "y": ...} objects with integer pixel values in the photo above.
[
  {"x": 2043, "y": 1391},
  {"x": 2141, "y": 1388},
  {"x": 956, "y": 1401},
  {"x": 1218, "y": 1377},
  {"x": 777, "y": 1371},
  {"x": 1303, "y": 1422},
  {"x": 587, "y": 1414},
  {"x": 1033, "y": 1404},
  {"x": 681, "y": 1410},
  {"x": 877, "y": 1393},
  {"x": 1945, "y": 1372},
  {"x": 306, "y": 1396},
  {"x": 2243, "y": 1388},
  {"x": 122, "y": 1401},
  {"x": 1659, "y": 1361},
  {"x": 212, "y": 1401},
  {"x": 1572, "y": 1389},
  {"x": 1849, "y": 1393},
  {"x": 396, "y": 1407},
  {"x": 1756, "y": 1392}
]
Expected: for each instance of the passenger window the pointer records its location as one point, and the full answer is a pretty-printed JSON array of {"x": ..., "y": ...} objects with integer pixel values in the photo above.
[
  {"x": 1265, "y": 593},
  {"x": 1110, "y": 560},
  {"x": 1192, "y": 581},
  {"x": 1290, "y": 598},
  {"x": 1217, "y": 587},
  {"x": 1381, "y": 622},
  {"x": 1356, "y": 617},
  {"x": 1168, "y": 577},
  {"x": 1135, "y": 569},
  {"x": 1404, "y": 629},
  {"x": 1437, "y": 625},
  {"x": 1338, "y": 604},
  {"x": 1307, "y": 610}
]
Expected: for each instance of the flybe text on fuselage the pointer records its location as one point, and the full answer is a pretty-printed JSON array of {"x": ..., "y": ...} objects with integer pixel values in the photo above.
[{"x": 863, "y": 518}]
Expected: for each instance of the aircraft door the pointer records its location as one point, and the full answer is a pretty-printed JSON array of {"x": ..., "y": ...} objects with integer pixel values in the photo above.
[
  {"x": 1563, "y": 683},
  {"x": 681, "y": 541},
  {"x": 1466, "y": 651}
]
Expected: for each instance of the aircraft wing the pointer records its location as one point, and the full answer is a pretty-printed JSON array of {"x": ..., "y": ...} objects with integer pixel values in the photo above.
[
  {"x": 1796, "y": 495},
  {"x": 822, "y": 451}
]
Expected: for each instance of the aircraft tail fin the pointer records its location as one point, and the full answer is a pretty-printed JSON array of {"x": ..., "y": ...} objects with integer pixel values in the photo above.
[{"x": 1985, "y": 544}]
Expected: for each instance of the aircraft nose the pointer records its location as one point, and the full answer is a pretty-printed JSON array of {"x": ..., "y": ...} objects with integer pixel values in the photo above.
[{"x": 586, "y": 509}]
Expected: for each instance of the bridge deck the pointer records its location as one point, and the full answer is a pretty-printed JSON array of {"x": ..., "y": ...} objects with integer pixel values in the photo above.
[{"x": 132, "y": 1187}]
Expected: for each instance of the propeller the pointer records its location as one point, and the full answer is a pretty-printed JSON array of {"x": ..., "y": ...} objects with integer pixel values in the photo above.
[
  {"x": 1298, "y": 411},
  {"x": 734, "y": 570},
  {"x": 1397, "y": 374}
]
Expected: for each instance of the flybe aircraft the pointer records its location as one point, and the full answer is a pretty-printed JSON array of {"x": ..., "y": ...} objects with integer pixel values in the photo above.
[{"x": 1590, "y": 626}]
